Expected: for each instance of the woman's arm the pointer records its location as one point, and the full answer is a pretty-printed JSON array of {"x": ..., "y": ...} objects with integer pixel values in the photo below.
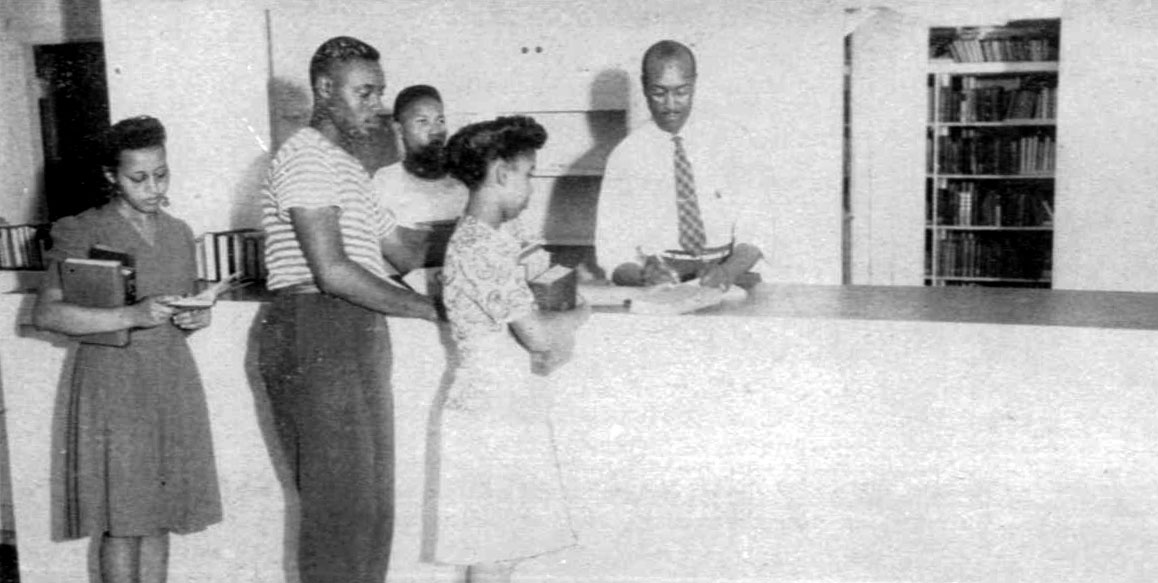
[
  {"x": 549, "y": 336},
  {"x": 542, "y": 331},
  {"x": 318, "y": 232},
  {"x": 52, "y": 313}
]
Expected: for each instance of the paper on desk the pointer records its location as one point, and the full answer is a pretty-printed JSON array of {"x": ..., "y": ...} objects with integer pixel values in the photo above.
[
  {"x": 661, "y": 299},
  {"x": 607, "y": 295}
]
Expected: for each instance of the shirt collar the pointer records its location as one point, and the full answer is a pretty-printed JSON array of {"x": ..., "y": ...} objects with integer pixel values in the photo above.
[{"x": 689, "y": 128}]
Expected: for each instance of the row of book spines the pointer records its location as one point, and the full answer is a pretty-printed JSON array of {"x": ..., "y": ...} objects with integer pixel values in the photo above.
[
  {"x": 239, "y": 252},
  {"x": 989, "y": 104},
  {"x": 23, "y": 246},
  {"x": 994, "y": 154},
  {"x": 967, "y": 255},
  {"x": 1003, "y": 49},
  {"x": 963, "y": 206}
]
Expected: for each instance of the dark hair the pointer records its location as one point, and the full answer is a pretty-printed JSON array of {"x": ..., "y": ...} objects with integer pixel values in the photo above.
[
  {"x": 667, "y": 50},
  {"x": 472, "y": 148},
  {"x": 132, "y": 133},
  {"x": 412, "y": 94},
  {"x": 338, "y": 50}
]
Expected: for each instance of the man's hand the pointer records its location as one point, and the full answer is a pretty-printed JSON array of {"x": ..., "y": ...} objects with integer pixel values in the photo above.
[
  {"x": 656, "y": 271},
  {"x": 715, "y": 275},
  {"x": 636, "y": 275}
]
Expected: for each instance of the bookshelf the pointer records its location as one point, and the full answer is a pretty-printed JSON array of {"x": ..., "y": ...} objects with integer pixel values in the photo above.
[{"x": 991, "y": 144}]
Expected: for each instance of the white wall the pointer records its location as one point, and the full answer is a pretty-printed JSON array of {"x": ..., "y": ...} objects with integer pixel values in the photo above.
[
  {"x": 202, "y": 69},
  {"x": 21, "y": 160},
  {"x": 887, "y": 94},
  {"x": 24, "y": 23},
  {"x": 1107, "y": 198}
]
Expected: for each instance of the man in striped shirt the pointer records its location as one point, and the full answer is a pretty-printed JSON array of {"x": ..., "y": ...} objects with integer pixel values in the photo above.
[{"x": 324, "y": 348}]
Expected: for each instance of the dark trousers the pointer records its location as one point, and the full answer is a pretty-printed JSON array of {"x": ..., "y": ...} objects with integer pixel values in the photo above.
[{"x": 326, "y": 366}]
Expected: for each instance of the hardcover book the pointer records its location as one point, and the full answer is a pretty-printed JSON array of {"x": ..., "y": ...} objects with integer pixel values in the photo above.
[
  {"x": 555, "y": 289},
  {"x": 97, "y": 283}
]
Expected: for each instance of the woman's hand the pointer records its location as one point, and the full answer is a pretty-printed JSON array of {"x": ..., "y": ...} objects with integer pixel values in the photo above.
[
  {"x": 193, "y": 319},
  {"x": 152, "y": 311}
]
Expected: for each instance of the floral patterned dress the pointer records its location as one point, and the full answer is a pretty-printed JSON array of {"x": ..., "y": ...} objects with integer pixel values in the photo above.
[{"x": 500, "y": 495}]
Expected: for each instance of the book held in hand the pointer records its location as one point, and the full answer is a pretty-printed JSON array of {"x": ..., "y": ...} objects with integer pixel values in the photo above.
[
  {"x": 207, "y": 297},
  {"x": 555, "y": 289},
  {"x": 98, "y": 283},
  {"x": 554, "y": 286}
]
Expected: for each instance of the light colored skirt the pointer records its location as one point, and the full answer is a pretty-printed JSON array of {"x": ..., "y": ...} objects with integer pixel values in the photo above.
[{"x": 501, "y": 496}]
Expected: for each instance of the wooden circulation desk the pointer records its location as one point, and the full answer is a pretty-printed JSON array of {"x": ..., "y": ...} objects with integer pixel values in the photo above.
[{"x": 812, "y": 433}]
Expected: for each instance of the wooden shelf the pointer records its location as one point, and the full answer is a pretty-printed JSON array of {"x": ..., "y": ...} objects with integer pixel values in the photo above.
[
  {"x": 993, "y": 176},
  {"x": 987, "y": 279},
  {"x": 946, "y": 67},
  {"x": 995, "y": 124},
  {"x": 986, "y": 228}
]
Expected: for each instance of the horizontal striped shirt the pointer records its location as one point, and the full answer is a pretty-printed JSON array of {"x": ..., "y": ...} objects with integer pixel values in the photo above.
[{"x": 310, "y": 172}]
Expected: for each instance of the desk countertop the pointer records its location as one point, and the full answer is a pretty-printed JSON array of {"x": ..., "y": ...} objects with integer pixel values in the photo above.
[
  {"x": 1031, "y": 307},
  {"x": 979, "y": 305}
]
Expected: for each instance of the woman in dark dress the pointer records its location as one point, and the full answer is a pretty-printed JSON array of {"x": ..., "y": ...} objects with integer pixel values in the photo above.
[{"x": 137, "y": 456}]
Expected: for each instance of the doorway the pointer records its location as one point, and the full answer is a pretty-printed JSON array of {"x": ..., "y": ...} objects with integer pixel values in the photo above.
[{"x": 74, "y": 112}]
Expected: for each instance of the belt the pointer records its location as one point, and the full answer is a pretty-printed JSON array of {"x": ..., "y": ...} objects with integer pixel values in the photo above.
[
  {"x": 708, "y": 254},
  {"x": 299, "y": 288}
]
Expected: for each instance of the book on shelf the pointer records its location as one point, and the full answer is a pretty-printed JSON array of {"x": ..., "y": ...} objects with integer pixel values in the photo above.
[
  {"x": 972, "y": 151},
  {"x": 23, "y": 246},
  {"x": 98, "y": 283},
  {"x": 221, "y": 254},
  {"x": 1025, "y": 41}
]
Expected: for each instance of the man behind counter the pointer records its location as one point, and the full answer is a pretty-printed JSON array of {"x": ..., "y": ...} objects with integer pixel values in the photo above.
[{"x": 669, "y": 208}]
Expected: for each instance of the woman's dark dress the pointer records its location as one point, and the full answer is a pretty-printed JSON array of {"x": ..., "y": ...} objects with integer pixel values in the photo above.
[{"x": 135, "y": 455}]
